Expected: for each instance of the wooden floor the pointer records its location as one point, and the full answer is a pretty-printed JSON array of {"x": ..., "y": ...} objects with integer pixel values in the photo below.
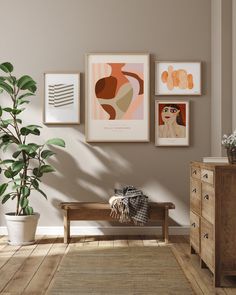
[{"x": 30, "y": 269}]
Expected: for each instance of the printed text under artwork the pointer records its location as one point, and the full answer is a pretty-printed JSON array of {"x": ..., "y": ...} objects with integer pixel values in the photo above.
[
  {"x": 61, "y": 95},
  {"x": 177, "y": 79},
  {"x": 119, "y": 91}
]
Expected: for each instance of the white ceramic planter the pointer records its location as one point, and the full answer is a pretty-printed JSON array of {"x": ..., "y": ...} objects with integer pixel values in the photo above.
[{"x": 21, "y": 229}]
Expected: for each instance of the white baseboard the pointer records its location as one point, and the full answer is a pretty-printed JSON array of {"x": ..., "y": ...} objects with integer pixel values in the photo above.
[{"x": 99, "y": 231}]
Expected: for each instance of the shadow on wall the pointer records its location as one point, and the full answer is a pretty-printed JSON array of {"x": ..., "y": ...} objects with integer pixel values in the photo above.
[{"x": 93, "y": 176}]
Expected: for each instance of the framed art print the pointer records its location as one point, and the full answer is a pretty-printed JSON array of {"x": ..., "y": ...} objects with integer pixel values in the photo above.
[
  {"x": 62, "y": 99},
  {"x": 178, "y": 78},
  {"x": 117, "y": 97},
  {"x": 172, "y": 123}
]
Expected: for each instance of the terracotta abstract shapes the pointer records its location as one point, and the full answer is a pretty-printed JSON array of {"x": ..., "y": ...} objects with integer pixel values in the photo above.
[
  {"x": 177, "y": 78},
  {"x": 119, "y": 91}
]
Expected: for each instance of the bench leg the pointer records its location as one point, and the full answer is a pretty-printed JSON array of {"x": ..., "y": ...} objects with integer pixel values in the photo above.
[
  {"x": 166, "y": 228},
  {"x": 66, "y": 228}
]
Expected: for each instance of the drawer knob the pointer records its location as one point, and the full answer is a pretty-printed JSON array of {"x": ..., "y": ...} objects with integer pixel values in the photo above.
[
  {"x": 206, "y": 197},
  {"x": 205, "y": 175},
  {"x": 194, "y": 190},
  {"x": 193, "y": 224},
  {"x": 195, "y": 172},
  {"x": 205, "y": 236}
]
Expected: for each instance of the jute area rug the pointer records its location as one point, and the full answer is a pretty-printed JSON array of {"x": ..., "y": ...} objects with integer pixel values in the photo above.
[{"x": 138, "y": 270}]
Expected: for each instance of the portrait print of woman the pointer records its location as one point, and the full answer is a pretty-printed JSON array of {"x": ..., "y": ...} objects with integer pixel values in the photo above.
[{"x": 172, "y": 122}]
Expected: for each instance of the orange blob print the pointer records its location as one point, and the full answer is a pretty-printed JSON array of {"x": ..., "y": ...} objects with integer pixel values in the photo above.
[{"x": 177, "y": 78}]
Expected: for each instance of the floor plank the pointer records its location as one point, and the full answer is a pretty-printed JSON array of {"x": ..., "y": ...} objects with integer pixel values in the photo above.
[
  {"x": 14, "y": 262},
  {"x": 25, "y": 273},
  {"x": 43, "y": 277}
]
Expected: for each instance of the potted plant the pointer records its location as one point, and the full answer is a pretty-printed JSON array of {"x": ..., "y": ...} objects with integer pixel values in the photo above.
[
  {"x": 25, "y": 161},
  {"x": 229, "y": 142}
]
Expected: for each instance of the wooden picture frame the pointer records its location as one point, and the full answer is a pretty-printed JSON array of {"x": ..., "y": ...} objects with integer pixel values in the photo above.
[
  {"x": 61, "y": 98},
  {"x": 117, "y": 97},
  {"x": 171, "y": 123},
  {"x": 178, "y": 78}
]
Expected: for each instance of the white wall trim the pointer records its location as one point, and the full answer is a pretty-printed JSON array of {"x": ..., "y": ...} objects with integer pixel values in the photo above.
[{"x": 99, "y": 231}]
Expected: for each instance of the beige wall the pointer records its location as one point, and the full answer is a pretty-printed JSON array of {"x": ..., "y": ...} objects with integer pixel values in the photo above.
[{"x": 55, "y": 35}]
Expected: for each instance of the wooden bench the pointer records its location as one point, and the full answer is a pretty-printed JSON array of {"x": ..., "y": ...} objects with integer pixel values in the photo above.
[{"x": 101, "y": 211}]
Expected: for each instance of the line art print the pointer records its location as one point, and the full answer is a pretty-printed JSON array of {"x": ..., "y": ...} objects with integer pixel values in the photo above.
[
  {"x": 61, "y": 95},
  {"x": 62, "y": 98}
]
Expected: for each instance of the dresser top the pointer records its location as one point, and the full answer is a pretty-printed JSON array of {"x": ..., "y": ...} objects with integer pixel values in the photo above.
[{"x": 213, "y": 165}]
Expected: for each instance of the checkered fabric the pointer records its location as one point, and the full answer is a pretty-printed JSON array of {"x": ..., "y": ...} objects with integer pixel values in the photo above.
[{"x": 130, "y": 204}]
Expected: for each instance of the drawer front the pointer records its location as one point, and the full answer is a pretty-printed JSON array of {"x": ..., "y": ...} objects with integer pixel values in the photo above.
[
  {"x": 208, "y": 202},
  {"x": 195, "y": 231},
  {"x": 195, "y": 195},
  {"x": 207, "y": 244},
  {"x": 195, "y": 172},
  {"x": 207, "y": 176}
]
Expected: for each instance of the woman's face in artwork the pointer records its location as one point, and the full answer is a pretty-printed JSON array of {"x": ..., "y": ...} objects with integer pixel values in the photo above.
[{"x": 169, "y": 114}]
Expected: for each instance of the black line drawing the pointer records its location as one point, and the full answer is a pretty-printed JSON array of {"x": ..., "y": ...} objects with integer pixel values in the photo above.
[{"x": 61, "y": 95}]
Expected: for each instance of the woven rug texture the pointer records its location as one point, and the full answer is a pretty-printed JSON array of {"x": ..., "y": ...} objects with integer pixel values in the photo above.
[{"x": 120, "y": 271}]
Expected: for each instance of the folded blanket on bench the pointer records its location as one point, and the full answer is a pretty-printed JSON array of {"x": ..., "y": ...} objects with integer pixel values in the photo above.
[{"x": 129, "y": 204}]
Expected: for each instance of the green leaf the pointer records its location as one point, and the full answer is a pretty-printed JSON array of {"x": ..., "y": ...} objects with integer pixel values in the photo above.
[
  {"x": 22, "y": 101},
  {"x": 11, "y": 80},
  {"x": 32, "y": 88},
  {"x": 17, "y": 166},
  {"x": 24, "y": 202},
  {"x": 7, "y": 161},
  {"x": 46, "y": 169},
  {"x": 25, "y": 95},
  {"x": 5, "y": 198},
  {"x": 9, "y": 110},
  {"x": 35, "y": 184},
  {"x": 46, "y": 154},
  {"x": 3, "y": 188},
  {"x": 56, "y": 141},
  {"x": 28, "y": 210},
  {"x": 13, "y": 111},
  {"x": 24, "y": 80},
  {"x": 42, "y": 193},
  {"x": 28, "y": 85},
  {"x": 31, "y": 129},
  {"x": 37, "y": 172},
  {"x": 0, "y": 111},
  {"x": 24, "y": 147},
  {"x": 6, "y": 67},
  {"x": 25, "y": 191},
  {"x": 6, "y": 87},
  {"x": 8, "y": 173},
  {"x": 16, "y": 154}
]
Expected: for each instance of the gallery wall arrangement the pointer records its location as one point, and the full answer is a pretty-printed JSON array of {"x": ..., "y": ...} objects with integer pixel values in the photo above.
[{"x": 118, "y": 98}]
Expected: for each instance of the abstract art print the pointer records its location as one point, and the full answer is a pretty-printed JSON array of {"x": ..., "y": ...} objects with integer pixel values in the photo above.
[
  {"x": 117, "y": 97},
  {"x": 62, "y": 101},
  {"x": 178, "y": 78},
  {"x": 172, "y": 123}
]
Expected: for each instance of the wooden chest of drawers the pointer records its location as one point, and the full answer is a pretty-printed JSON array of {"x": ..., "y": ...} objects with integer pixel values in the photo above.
[{"x": 213, "y": 217}]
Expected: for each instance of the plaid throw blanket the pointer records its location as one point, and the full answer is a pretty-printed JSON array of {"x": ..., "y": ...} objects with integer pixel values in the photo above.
[{"x": 129, "y": 204}]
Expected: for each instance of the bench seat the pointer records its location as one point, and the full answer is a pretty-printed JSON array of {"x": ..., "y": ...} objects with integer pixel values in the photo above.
[{"x": 101, "y": 211}]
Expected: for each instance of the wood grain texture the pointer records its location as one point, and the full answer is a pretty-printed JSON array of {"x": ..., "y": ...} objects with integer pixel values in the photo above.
[{"x": 217, "y": 220}]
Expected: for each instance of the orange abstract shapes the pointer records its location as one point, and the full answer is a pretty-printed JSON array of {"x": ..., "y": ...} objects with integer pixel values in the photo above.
[
  {"x": 106, "y": 88},
  {"x": 190, "y": 81},
  {"x": 110, "y": 110},
  {"x": 177, "y": 78},
  {"x": 164, "y": 76}
]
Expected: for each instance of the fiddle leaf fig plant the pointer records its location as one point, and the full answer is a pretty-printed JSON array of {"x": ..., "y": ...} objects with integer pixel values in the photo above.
[{"x": 27, "y": 164}]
